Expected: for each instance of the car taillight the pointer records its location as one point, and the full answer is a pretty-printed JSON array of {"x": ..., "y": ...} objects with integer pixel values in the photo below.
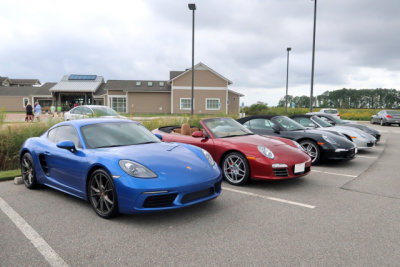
[
  {"x": 338, "y": 114},
  {"x": 389, "y": 116}
]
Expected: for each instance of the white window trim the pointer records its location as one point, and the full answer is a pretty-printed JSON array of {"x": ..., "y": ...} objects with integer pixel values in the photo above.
[
  {"x": 180, "y": 103},
  {"x": 23, "y": 101},
  {"x": 118, "y": 96},
  {"x": 219, "y": 104}
]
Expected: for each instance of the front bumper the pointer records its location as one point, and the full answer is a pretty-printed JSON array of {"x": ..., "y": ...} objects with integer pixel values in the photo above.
[{"x": 340, "y": 154}]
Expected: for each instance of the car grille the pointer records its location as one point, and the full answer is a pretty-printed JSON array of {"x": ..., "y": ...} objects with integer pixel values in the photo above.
[
  {"x": 197, "y": 195},
  {"x": 281, "y": 172},
  {"x": 159, "y": 201}
]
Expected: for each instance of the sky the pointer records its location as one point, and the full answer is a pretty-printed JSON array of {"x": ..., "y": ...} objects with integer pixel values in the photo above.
[{"x": 357, "y": 42}]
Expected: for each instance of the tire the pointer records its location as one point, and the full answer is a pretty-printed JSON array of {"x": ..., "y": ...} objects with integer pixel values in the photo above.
[
  {"x": 102, "y": 194},
  {"x": 372, "y": 121},
  {"x": 312, "y": 150},
  {"x": 236, "y": 169},
  {"x": 28, "y": 171},
  {"x": 382, "y": 123}
]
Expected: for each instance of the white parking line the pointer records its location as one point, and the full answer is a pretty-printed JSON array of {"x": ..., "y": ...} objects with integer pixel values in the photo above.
[
  {"x": 269, "y": 198},
  {"x": 338, "y": 174},
  {"x": 40, "y": 244},
  {"x": 367, "y": 157}
]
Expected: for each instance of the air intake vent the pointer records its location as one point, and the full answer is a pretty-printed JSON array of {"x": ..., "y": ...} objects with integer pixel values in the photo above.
[
  {"x": 281, "y": 172},
  {"x": 197, "y": 195},
  {"x": 159, "y": 201}
]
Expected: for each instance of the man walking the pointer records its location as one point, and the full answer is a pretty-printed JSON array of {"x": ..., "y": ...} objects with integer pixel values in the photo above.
[{"x": 38, "y": 111}]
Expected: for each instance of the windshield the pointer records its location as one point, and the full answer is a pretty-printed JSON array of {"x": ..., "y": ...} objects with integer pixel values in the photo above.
[
  {"x": 112, "y": 134},
  {"x": 226, "y": 127},
  {"x": 104, "y": 111},
  {"x": 331, "y": 111},
  {"x": 288, "y": 124},
  {"x": 321, "y": 122}
]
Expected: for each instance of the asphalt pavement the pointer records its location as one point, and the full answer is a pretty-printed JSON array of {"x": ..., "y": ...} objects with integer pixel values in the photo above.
[{"x": 341, "y": 214}]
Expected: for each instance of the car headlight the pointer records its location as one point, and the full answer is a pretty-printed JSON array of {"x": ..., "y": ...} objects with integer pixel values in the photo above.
[
  {"x": 298, "y": 145},
  {"x": 208, "y": 157},
  {"x": 136, "y": 170},
  {"x": 328, "y": 139},
  {"x": 266, "y": 152}
]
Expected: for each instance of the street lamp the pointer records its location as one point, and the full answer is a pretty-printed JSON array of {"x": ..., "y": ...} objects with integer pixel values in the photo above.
[
  {"x": 313, "y": 55},
  {"x": 287, "y": 78},
  {"x": 193, "y": 8}
]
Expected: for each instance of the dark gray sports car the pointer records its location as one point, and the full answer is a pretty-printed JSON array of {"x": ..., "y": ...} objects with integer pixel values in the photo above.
[{"x": 318, "y": 144}]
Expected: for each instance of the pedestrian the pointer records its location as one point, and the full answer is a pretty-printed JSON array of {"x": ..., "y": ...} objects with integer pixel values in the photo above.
[
  {"x": 38, "y": 111},
  {"x": 29, "y": 112}
]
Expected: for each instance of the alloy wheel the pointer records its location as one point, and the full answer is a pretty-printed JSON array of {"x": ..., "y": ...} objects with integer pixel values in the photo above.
[
  {"x": 236, "y": 170},
  {"x": 102, "y": 194},
  {"x": 312, "y": 150},
  {"x": 28, "y": 171}
]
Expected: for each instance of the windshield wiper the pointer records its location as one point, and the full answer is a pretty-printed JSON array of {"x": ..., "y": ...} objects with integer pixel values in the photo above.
[
  {"x": 233, "y": 135},
  {"x": 149, "y": 142},
  {"x": 110, "y": 146}
]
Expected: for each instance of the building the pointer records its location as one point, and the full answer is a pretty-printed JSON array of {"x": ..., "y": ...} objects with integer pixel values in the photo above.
[
  {"x": 5, "y": 81},
  {"x": 211, "y": 94}
]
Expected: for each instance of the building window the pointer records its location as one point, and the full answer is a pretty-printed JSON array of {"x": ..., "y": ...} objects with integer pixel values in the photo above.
[
  {"x": 118, "y": 104},
  {"x": 186, "y": 103},
  {"x": 161, "y": 83},
  {"x": 213, "y": 104},
  {"x": 149, "y": 83},
  {"x": 25, "y": 101},
  {"x": 138, "y": 83}
]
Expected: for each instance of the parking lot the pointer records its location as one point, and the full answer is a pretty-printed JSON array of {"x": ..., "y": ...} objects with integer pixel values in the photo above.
[{"x": 341, "y": 214}]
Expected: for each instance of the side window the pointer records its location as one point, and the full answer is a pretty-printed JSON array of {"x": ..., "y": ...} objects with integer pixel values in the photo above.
[
  {"x": 63, "y": 133},
  {"x": 247, "y": 124},
  {"x": 306, "y": 122},
  {"x": 78, "y": 110},
  {"x": 261, "y": 124},
  {"x": 326, "y": 119}
]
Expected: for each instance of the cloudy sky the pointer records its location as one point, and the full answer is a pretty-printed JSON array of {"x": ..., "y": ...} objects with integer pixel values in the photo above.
[{"x": 357, "y": 42}]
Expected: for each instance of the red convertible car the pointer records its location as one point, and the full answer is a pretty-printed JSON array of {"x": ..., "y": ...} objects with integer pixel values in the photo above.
[{"x": 241, "y": 154}]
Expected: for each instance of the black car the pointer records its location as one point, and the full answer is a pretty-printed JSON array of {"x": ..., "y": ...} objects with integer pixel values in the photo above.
[
  {"x": 336, "y": 121},
  {"x": 318, "y": 144}
]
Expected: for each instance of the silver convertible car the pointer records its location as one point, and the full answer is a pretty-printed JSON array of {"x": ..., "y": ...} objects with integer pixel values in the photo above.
[
  {"x": 386, "y": 117},
  {"x": 361, "y": 139}
]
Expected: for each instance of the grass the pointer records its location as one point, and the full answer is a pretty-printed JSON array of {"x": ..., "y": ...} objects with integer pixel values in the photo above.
[{"x": 9, "y": 175}]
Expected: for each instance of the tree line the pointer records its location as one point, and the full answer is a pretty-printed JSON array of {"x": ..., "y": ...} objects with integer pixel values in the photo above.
[{"x": 348, "y": 98}]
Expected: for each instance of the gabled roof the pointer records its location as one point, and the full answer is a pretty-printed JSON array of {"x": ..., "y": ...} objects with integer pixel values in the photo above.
[
  {"x": 202, "y": 66},
  {"x": 74, "y": 85},
  {"x": 234, "y": 92},
  {"x": 27, "y": 90},
  {"x": 132, "y": 86},
  {"x": 23, "y": 81},
  {"x": 2, "y": 79}
]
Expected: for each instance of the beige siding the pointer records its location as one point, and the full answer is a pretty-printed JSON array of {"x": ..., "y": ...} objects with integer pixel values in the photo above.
[
  {"x": 151, "y": 102},
  {"x": 200, "y": 100},
  {"x": 234, "y": 103},
  {"x": 13, "y": 103},
  {"x": 204, "y": 78}
]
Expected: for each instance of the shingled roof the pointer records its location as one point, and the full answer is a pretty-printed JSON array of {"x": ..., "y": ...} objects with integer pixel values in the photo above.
[
  {"x": 24, "y": 82},
  {"x": 27, "y": 90},
  {"x": 138, "y": 85},
  {"x": 68, "y": 84}
]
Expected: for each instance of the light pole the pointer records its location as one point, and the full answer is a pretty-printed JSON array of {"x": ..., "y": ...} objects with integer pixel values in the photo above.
[
  {"x": 313, "y": 55},
  {"x": 287, "y": 78},
  {"x": 193, "y": 8}
]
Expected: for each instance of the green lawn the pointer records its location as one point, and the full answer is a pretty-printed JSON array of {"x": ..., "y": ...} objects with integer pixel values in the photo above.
[{"x": 9, "y": 175}]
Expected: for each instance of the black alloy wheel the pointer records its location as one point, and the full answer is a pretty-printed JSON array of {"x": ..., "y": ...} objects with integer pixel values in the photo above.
[
  {"x": 312, "y": 150},
  {"x": 28, "y": 171},
  {"x": 102, "y": 194},
  {"x": 236, "y": 169}
]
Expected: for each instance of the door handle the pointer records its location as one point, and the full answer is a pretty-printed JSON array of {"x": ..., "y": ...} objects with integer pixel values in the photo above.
[{"x": 47, "y": 153}]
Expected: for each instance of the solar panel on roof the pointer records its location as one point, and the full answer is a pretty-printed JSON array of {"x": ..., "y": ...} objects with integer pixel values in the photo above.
[{"x": 82, "y": 77}]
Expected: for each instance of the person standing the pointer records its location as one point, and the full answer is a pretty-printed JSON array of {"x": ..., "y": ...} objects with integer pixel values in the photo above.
[
  {"x": 29, "y": 112},
  {"x": 38, "y": 111}
]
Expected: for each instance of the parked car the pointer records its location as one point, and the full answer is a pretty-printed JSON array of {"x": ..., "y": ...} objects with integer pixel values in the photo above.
[
  {"x": 339, "y": 122},
  {"x": 119, "y": 166},
  {"x": 386, "y": 117},
  {"x": 320, "y": 145},
  {"x": 91, "y": 111},
  {"x": 361, "y": 139},
  {"x": 330, "y": 111},
  {"x": 241, "y": 154}
]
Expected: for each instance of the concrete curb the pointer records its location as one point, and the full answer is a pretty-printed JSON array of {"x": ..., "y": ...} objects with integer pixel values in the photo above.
[{"x": 18, "y": 180}]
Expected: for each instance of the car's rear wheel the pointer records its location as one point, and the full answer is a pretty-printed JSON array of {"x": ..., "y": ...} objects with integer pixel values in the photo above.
[
  {"x": 28, "y": 171},
  {"x": 372, "y": 121},
  {"x": 102, "y": 194},
  {"x": 312, "y": 150},
  {"x": 236, "y": 169},
  {"x": 382, "y": 123}
]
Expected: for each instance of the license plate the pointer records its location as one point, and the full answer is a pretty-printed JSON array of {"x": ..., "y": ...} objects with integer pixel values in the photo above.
[{"x": 299, "y": 167}]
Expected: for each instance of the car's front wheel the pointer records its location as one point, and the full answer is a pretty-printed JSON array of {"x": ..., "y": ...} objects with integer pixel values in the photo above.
[
  {"x": 382, "y": 123},
  {"x": 236, "y": 169},
  {"x": 102, "y": 194},
  {"x": 28, "y": 171},
  {"x": 312, "y": 150}
]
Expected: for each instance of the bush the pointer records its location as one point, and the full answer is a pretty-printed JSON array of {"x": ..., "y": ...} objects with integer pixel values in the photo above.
[
  {"x": 12, "y": 138},
  {"x": 2, "y": 115}
]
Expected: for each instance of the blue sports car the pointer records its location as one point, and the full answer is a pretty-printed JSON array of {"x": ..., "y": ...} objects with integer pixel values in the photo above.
[{"x": 119, "y": 167}]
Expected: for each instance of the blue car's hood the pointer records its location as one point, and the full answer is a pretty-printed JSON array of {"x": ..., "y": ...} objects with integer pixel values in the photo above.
[{"x": 166, "y": 159}]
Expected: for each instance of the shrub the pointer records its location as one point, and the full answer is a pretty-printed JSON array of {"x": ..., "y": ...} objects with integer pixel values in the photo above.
[{"x": 2, "y": 115}]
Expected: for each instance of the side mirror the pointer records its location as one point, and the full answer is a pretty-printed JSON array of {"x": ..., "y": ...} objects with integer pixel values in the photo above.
[
  {"x": 159, "y": 136},
  {"x": 68, "y": 145},
  {"x": 198, "y": 134},
  {"x": 275, "y": 129}
]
